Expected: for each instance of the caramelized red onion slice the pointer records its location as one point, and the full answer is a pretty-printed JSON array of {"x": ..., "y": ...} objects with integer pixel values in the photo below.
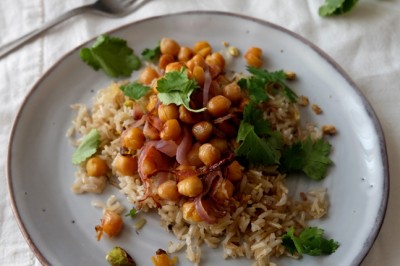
[
  {"x": 184, "y": 147},
  {"x": 167, "y": 147},
  {"x": 207, "y": 85},
  {"x": 202, "y": 209}
]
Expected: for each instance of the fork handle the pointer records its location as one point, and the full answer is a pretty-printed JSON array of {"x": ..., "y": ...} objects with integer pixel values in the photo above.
[{"x": 11, "y": 46}]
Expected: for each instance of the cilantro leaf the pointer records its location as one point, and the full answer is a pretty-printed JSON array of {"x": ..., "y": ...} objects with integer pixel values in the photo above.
[
  {"x": 131, "y": 213},
  {"x": 336, "y": 7},
  {"x": 309, "y": 157},
  {"x": 254, "y": 116},
  {"x": 175, "y": 87},
  {"x": 151, "y": 54},
  {"x": 134, "y": 90},
  {"x": 111, "y": 54},
  {"x": 88, "y": 146},
  {"x": 311, "y": 241}
]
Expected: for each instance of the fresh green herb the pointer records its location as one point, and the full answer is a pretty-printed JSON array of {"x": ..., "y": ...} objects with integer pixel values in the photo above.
[
  {"x": 309, "y": 157},
  {"x": 119, "y": 257},
  {"x": 111, "y": 54},
  {"x": 134, "y": 90},
  {"x": 88, "y": 146},
  {"x": 258, "y": 143},
  {"x": 255, "y": 87},
  {"x": 311, "y": 241},
  {"x": 175, "y": 87},
  {"x": 131, "y": 213},
  {"x": 336, "y": 7},
  {"x": 151, "y": 54}
]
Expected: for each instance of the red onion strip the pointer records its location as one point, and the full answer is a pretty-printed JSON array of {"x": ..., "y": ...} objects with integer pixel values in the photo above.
[
  {"x": 206, "y": 86},
  {"x": 199, "y": 204},
  {"x": 184, "y": 147}
]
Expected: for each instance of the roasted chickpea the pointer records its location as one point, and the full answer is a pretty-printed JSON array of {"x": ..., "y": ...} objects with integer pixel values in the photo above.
[
  {"x": 202, "y": 130},
  {"x": 253, "y": 57},
  {"x": 111, "y": 224},
  {"x": 126, "y": 165},
  {"x": 150, "y": 132},
  {"x": 169, "y": 46},
  {"x": 233, "y": 92},
  {"x": 218, "y": 106},
  {"x": 166, "y": 112},
  {"x": 220, "y": 144},
  {"x": 147, "y": 75},
  {"x": 185, "y": 115},
  {"x": 190, "y": 213},
  {"x": 132, "y": 138},
  {"x": 148, "y": 166},
  {"x": 190, "y": 186},
  {"x": 198, "y": 74},
  {"x": 193, "y": 155},
  {"x": 197, "y": 60},
  {"x": 234, "y": 171},
  {"x": 209, "y": 154},
  {"x": 171, "y": 130},
  {"x": 185, "y": 54},
  {"x": 223, "y": 189},
  {"x": 185, "y": 170},
  {"x": 168, "y": 190},
  {"x": 174, "y": 66},
  {"x": 96, "y": 166},
  {"x": 151, "y": 105},
  {"x": 165, "y": 60},
  {"x": 202, "y": 48}
]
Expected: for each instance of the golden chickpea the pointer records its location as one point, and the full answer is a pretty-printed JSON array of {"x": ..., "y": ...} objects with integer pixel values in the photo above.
[
  {"x": 220, "y": 144},
  {"x": 255, "y": 51},
  {"x": 209, "y": 154},
  {"x": 96, "y": 167},
  {"x": 185, "y": 115},
  {"x": 151, "y": 162},
  {"x": 218, "y": 106},
  {"x": 174, "y": 66},
  {"x": 197, "y": 60},
  {"x": 234, "y": 171},
  {"x": 126, "y": 165},
  {"x": 233, "y": 92},
  {"x": 198, "y": 75},
  {"x": 171, "y": 130},
  {"x": 151, "y": 105},
  {"x": 166, "y": 112},
  {"x": 202, "y": 130},
  {"x": 190, "y": 186},
  {"x": 132, "y": 138},
  {"x": 253, "y": 57},
  {"x": 190, "y": 213},
  {"x": 150, "y": 132},
  {"x": 185, "y": 54},
  {"x": 165, "y": 60},
  {"x": 223, "y": 190},
  {"x": 216, "y": 58},
  {"x": 147, "y": 75},
  {"x": 111, "y": 224},
  {"x": 168, "y": 190},
  {"x": 193, "y": 155},
  {"x": 169, "y": 46},
  {"x": 202, "y": 48}
]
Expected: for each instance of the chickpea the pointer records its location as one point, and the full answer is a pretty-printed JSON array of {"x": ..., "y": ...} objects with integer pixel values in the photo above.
[
  {"x": 220, "y": 144},
  {"x": 190, "y": 186},
  {"x": 233, "y": 92},
  {"x": 126, "y": 165},
  {"x": 234, "y": 171},
  {"x": 147, "y": 75},
  {"x": 132, "y": 138},
  {"x": 111, "y": 224},
  {"x": 168, "y": 190},
  {"x": 165, "y": 60},
  {"x": 171, "y": 130},
  {"x": 223, "y": 189},
  {"x": 253, "y": 57},
  {"x": 190, "y": 213},
  {"x": 202, "y": 130},
  {"x": 217, "y": 59},
  {"x": 185, "y": 115},
  {"x": 174, "y": 66},
  {"x": 148, "y": 166},
  {"x": 185, "y": 54},
  {"x": 96, "y": 167},
  {"x": 198, "y": 74},
  {"x": 197, "y": 60},
  {"x": 193, "y": 155},
  {"x": 151, "y": 105},
  {"x": 169, "y": 46},
  {"x": 166, "y": 112},
  {"x": 209, "y": 154},
  {"x": 218, "y": 106},
  {"x": 202, "y": 48}
]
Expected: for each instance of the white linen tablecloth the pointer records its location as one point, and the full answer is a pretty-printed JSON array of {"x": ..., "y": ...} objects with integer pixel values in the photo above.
[{"x": 365, "y": 42}]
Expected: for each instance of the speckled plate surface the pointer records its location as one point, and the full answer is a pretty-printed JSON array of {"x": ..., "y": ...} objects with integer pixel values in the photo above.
[{"x": 59, "y": 226}]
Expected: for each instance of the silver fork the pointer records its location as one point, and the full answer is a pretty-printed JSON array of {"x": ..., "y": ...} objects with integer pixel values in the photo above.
[{"x": 109, "y": 8}]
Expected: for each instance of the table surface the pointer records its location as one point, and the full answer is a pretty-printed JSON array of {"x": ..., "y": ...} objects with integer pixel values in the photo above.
[{"x": 365, "y": 42}]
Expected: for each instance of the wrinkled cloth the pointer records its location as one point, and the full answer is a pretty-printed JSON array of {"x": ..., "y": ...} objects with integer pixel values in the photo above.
[{"x": 365, "y": 42}]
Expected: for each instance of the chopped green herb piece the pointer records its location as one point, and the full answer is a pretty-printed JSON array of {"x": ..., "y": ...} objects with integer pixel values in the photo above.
[
  {"x": 119, "y": 257},
  {"x": 175, "y": 87},
  {"x": 135, "y": 90},
  {"x": 131, "y": 213},
  {"x": 336, "y": 7},
  {"x": 151, "y": 54},
  {"x": 311, "y": 241},
  {"x": 111, "y": 54},
  {"x": 254, "y": 116},
  {"x": 88, "y": 146},
  {"x": 309, "y": 157}
]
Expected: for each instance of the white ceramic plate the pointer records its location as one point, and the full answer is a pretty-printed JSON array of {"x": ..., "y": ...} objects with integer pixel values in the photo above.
[{"x": 59, "y": 226}]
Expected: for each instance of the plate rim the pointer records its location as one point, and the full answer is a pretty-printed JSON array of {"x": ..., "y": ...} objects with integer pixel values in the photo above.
[{"x": 381, "y": 214}]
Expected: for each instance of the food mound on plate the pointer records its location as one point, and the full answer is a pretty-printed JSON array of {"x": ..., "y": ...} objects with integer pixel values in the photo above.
[{"x": 209, "y": 150}]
